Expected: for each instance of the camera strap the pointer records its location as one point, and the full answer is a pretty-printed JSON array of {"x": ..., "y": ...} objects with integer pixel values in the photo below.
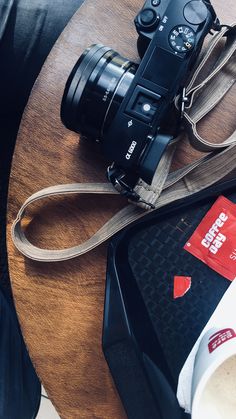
[{"x": 200, "y": 97}]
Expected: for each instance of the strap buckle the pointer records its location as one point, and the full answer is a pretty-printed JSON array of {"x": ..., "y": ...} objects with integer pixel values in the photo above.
[
  {"x": 184, "y": 101},
  {"x": 119, "y": 179}
]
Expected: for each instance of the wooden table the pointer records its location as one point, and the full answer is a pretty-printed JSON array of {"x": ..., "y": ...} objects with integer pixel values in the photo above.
[{"x": 60, "y": 306}]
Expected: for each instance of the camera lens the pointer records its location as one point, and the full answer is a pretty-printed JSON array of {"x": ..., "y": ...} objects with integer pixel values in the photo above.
[{"x": 95, "y": 89}]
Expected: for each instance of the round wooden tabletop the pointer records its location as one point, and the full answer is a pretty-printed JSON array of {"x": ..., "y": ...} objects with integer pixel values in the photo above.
[{"x": 60, "y": 305}]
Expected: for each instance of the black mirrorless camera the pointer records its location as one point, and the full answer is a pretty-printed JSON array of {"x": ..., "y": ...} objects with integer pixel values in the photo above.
[{"x": 121, "y": 104}]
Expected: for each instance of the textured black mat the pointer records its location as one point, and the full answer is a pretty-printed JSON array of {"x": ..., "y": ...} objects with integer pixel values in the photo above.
[
  {"x": 150, "y": 254},
  {"x": 155, "y": 256},
  {"x": 141, "y": 313}
]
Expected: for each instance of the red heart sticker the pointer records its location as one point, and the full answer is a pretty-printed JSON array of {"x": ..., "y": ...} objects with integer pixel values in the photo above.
[
  {"x": 182, "y": 285},
  {"x": 214, "y": 240}
]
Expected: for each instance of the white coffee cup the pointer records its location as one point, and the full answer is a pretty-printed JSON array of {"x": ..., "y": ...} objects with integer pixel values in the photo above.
[{"x": 213, "y": 392}]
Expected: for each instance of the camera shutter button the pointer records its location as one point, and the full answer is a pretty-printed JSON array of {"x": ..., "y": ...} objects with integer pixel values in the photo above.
[
  {"x": 148, "y": 17},
  {"x": 195, "y": 12},
  {"x": 156, "y": 3}
]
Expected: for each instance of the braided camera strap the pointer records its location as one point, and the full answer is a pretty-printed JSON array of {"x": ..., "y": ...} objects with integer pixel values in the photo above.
[{"x": 166, "y": 187}]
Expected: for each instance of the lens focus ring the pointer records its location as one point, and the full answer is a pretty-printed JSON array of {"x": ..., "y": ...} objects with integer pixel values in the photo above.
[{"x": 94, "y": 90}]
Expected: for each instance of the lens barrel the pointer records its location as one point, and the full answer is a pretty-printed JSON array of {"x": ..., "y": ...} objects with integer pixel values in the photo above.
[{"x": 95, "y": 89}]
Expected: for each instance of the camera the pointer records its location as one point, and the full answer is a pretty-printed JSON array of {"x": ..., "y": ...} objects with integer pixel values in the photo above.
[{"x": 121, "y": 104}]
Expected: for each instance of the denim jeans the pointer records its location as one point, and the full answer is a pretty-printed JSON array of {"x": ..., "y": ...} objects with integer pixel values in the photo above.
[{"x": 28, "y": 30}]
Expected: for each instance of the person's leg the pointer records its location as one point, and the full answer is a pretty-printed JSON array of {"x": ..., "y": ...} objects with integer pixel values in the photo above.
[
  {"x": 19, "y": 387},
  {"x": 28, "y": 30}
]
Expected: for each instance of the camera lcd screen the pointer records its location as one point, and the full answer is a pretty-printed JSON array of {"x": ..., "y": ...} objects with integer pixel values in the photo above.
[{"x": 160, "y": 67}]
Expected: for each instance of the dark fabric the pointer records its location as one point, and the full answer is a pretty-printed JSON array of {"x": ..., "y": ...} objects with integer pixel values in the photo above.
[
  {"x": 28, "y": 30},
  {"x": 20, "y": 390}
]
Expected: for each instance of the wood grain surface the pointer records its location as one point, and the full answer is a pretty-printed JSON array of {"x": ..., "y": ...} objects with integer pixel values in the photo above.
[{"x": 60, "y": 305}]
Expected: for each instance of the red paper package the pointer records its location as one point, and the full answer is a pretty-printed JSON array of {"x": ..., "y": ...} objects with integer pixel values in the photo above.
[{"x": 214, "y": 240}]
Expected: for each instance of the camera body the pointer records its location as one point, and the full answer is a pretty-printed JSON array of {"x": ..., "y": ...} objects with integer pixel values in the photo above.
[{"x": 131, "y": 100}]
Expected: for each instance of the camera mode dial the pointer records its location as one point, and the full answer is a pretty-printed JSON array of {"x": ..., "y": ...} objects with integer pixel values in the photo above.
[{"x": 182, "y": 39}]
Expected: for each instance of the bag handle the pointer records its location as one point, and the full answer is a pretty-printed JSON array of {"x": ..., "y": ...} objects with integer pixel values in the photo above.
[{"x": 165, "y": 188}]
